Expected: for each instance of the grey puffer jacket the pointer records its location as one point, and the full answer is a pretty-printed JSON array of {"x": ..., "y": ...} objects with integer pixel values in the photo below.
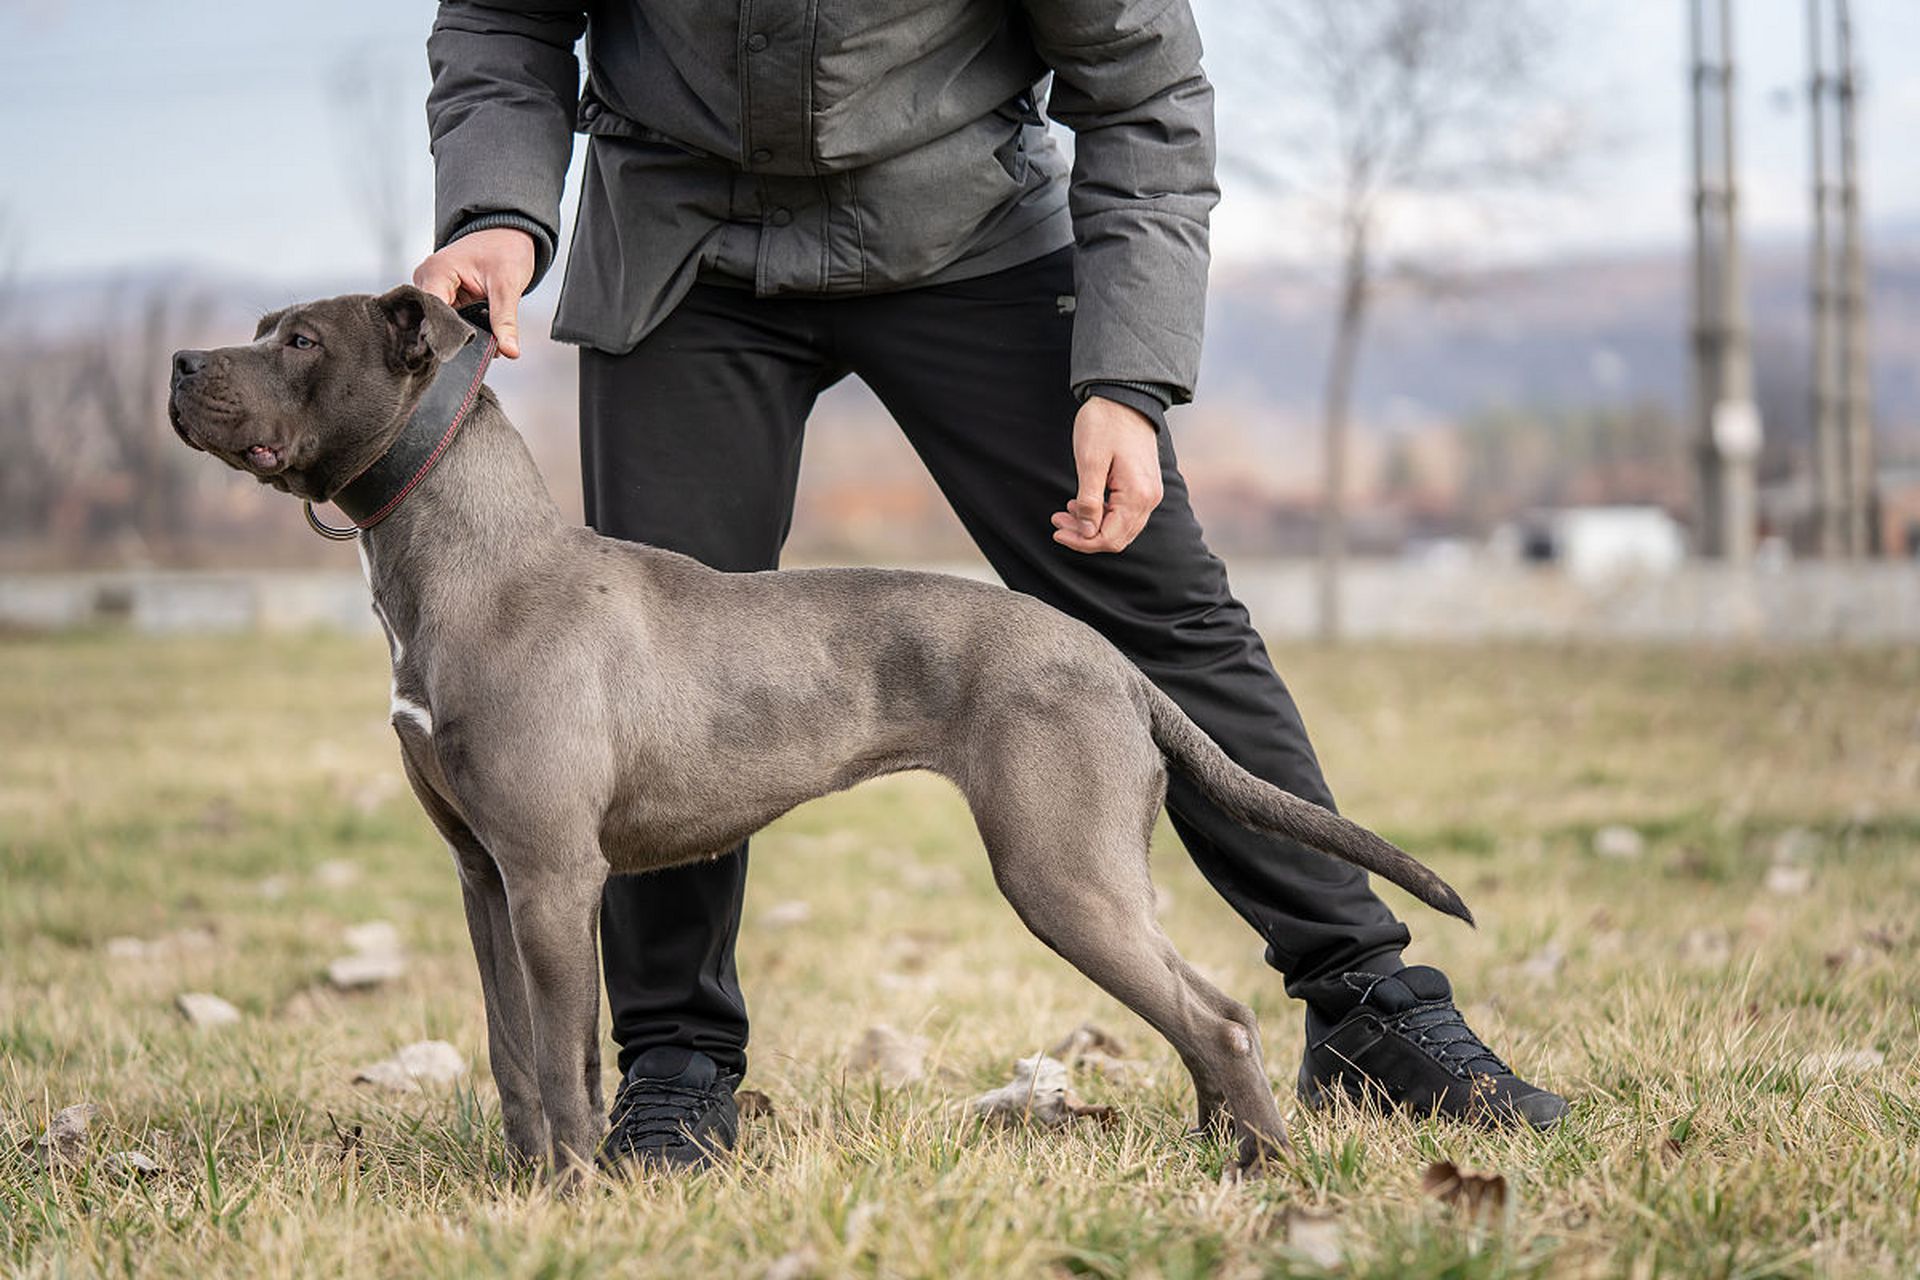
[{"x": 841, "y": 146}]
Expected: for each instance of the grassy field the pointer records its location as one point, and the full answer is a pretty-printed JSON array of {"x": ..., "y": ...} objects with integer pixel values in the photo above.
[{"x": 1733, "y": 1009}]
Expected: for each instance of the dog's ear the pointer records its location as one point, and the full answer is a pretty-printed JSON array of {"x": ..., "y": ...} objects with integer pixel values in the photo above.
[
  {"x": 268, "y": 323},
  {"x": 422, "y": 330}
]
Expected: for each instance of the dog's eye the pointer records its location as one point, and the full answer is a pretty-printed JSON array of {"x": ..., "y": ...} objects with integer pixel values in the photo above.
[{"x": 301, "y": 342}]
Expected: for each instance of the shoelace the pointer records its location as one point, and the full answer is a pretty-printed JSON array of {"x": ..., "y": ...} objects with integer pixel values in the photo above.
[
  {"x": 1437, "y": 1026},
  {"x": 654, "y": 1112}
]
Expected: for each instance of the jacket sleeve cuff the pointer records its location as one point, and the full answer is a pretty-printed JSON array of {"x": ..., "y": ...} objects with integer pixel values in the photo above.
[
  {"x": 1150, "y": 399},
  {"x": 542, "y": 238}
]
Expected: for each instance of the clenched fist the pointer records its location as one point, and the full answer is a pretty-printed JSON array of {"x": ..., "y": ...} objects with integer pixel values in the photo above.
[{"x": 1116, "y": 452}]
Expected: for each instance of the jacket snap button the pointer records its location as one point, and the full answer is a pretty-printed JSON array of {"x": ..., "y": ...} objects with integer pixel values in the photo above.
[
  {"x": 781, "y": 217},
  {"x": 756, "y": 42},
  {"x": 761, "y": 156}
]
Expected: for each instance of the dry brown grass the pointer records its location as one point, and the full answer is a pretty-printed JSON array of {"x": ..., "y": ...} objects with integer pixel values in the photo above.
[{"x": 148, "y": 787}]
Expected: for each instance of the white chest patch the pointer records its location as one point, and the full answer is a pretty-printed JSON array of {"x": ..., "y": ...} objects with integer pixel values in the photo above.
[
  {"x": 395, "y": 646},
  {"x": 406, "y": 709},
  {"x": 402, "y": 708}
]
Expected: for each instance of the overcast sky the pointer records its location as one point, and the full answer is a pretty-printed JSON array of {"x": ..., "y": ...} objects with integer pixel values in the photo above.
[{"x": 210, "y": 131}]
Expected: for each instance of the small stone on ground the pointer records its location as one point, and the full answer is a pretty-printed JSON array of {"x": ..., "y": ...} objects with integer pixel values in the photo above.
[
  {"x": 134, "y": 1164},
  {"x": 796, "y": 1264},
  {"x": 1789, "y": 879},
  {"x": 167, "y": 946},
  {"x": 1315, "y": 1234},
  {"x": 415, "y": 1067},
  {"x": 205, "y": 1010},
  {"x": 336, "y": 873},
  {"x": 894, "y": 1058},
  {"x": 786, "y": 915},
  {"x": 65, "y": 1138},
  {"x": 1842, "y": 1062},
  {"x": 360, "y": 971},
  {"x": 1617, "y": 840},
  {"x": 375, "y": 936}
]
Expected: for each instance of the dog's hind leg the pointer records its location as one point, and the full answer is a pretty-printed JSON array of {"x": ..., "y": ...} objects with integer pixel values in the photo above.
[{"x": 1075, "y": 868}]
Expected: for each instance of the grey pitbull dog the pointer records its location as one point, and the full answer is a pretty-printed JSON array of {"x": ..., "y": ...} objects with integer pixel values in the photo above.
[{"x": 570, "y": 706}]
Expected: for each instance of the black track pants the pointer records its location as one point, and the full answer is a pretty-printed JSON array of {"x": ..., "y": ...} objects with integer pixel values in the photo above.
[{"x": 692, "y": 442}]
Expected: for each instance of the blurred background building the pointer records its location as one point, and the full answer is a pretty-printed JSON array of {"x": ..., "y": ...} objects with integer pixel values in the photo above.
[{"x": 1502, "y": 330}]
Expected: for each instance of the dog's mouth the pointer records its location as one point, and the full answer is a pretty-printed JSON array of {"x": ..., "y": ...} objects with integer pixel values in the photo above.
[
  {"x": 261, "y": 457},
  {"x": 266, "y": 459}
]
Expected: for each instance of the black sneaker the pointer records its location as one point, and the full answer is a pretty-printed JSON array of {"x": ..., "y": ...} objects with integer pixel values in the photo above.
[
  {"x": 675, "y": 1110},
  {"x": 1397, "y": 1039}
]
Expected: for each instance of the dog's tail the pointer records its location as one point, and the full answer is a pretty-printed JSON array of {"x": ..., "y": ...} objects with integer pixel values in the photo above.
[{"x": 1265, "y": 807}]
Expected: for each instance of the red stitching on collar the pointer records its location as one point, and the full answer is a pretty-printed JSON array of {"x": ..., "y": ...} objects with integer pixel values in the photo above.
[{"x": 460, "y": 416}]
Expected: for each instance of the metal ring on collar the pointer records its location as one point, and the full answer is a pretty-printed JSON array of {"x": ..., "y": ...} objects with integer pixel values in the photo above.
[{"x": 326, "y": 530}]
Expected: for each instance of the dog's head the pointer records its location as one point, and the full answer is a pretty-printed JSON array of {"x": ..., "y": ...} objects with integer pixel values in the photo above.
[{"x": 322, "y": 390}]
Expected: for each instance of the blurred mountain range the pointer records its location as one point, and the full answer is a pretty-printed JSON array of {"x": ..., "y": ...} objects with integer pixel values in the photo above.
[{"x": 1550, "y": 347}]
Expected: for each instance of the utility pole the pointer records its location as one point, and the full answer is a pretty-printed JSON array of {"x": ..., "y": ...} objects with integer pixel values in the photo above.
[
  {"x": 1728, "y": 440},
  {"x": 1830, "y": 478},
  {"x": 1844, "y": 462},
  {"x": 1856, "y": 393}
]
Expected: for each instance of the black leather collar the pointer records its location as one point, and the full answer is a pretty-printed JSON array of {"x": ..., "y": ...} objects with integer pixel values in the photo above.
[{"x": 371, "y": 496}]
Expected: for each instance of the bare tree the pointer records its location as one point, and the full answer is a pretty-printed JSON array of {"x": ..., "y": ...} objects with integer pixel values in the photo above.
[
  {"x": 125, "y": 377},
  {"x": 91, "y": 460},
  {"x": 12, "y": 250},
  {"x": 1397, "y": 113}
]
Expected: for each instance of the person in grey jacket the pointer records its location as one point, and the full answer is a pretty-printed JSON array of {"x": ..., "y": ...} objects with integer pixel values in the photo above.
[{"x": 778, "y": 195}]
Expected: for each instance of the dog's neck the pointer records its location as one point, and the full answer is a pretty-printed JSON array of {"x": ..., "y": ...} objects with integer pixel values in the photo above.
[{"x": 477, "y": 519}]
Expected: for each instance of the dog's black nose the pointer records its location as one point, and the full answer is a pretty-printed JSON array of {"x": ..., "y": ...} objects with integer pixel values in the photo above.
[{"x": 188, "y": 363}]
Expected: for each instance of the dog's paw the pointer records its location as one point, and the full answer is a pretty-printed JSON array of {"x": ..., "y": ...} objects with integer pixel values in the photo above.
[{"x": 1258, "y": 1156}]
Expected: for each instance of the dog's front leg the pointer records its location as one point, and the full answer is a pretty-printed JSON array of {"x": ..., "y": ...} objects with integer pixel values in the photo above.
[
  {"x": 509, "y": 1024},
  {"x": 553, "y": 899}
]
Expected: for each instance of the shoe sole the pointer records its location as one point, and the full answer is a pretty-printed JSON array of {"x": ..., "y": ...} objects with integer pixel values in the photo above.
[{"x": 1325, "y": 1099}]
